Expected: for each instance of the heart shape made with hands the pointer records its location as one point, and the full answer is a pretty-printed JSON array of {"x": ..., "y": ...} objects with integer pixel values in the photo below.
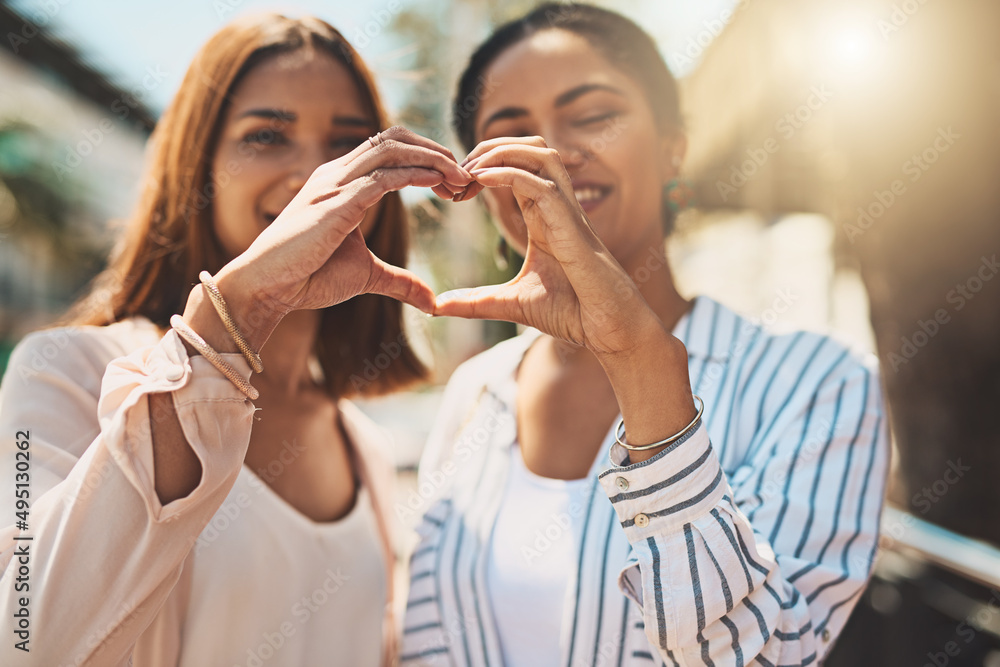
[{"x": 569, "y": 285}]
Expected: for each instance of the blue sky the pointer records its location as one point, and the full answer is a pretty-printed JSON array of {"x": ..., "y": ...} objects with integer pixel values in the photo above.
[{"x": 127, "y": 38}]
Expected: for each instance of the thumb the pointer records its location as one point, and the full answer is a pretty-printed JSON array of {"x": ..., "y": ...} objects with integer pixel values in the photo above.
[
  {"x": 400, "y": 284},
  {"x": 493, "y": 302}
]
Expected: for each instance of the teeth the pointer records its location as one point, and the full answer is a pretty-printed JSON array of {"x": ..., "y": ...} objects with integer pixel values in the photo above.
[{"x": 588, "y": 194}]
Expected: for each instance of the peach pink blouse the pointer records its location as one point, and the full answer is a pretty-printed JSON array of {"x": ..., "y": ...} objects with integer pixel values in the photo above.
[{"x": 103, "y": 574}]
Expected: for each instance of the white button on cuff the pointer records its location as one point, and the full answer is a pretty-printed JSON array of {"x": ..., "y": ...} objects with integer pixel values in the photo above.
[
  {"x": 622, "y": 484},
  {"x": 641, "y": 520},
  {"x": 175, "y": 373}
]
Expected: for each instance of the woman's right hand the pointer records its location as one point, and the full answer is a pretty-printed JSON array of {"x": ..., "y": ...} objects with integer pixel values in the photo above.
[{"x": 314, "y": 256}]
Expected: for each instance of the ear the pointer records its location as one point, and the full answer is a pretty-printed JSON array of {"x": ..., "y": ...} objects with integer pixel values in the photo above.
[{"x": 673, "y": 148}]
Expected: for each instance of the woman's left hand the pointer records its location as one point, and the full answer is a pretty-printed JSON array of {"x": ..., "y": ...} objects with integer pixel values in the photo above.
[{"x": 569, "y": 286}]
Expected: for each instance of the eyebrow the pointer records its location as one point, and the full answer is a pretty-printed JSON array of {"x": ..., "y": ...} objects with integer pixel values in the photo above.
[
  {"x": 575, "y": 93},
  {"x": 290, "y": 116},
  {"x": 276, "y": 114},
  {"x": 564, "y": 99}
]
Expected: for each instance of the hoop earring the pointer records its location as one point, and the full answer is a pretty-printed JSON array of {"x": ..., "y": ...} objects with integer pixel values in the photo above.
[{"x": 678, "y": 195}]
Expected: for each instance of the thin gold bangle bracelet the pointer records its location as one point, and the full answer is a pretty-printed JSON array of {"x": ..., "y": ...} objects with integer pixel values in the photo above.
[
  {"x": 227, "y": 319},
  {"x": 213, "y": 357}
]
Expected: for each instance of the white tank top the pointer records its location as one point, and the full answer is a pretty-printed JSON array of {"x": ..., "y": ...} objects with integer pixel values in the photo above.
[
  {"x": 530, "y": 559},
  {"x": 272, "y": 587}
]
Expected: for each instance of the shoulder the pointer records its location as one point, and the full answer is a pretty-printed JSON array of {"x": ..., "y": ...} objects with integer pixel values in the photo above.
[
  {"x": 804, "y": 362},
  {"x": 372, "y": 441},
  {"x": 373, "y": 445},
  {"x": 78, "y": 353}
]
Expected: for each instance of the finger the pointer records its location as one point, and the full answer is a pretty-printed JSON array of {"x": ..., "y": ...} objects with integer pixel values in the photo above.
[
  {"x": 348, "y": 206},
  {"x": 446, "y": 191},
  {"x": 375, "y": 185},
  {"x": 490, "y": 144},
  {"x": 536, "y": 159},
  {"x": 529, "y": 188},
  {"x": 402, "y": 135},
  {"x": 552, "y": 216},
  {"x": 493, "y": 302},
  {"x": 392, "y": 153},
  {"x": 443, "y": 191},
  {"x": 471, "y": 190},
  {"x": 400, "y": 284}
]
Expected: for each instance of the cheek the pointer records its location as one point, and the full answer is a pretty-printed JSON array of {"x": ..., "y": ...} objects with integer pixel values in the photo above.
[
  {"x": 641, "y": 177},
  {"x": 236, "y": 188}
]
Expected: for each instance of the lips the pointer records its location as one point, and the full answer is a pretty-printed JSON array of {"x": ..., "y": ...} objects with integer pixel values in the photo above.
[{"x": 590, "y": 195}]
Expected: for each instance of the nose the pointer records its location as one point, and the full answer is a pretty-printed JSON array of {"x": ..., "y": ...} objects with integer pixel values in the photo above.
[
  {"x": 574, "y": 153},
  {"x": 305, "y": 162}
]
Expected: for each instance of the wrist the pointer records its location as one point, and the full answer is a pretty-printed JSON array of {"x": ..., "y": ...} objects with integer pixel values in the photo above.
[
  {"x": 254, "y": 313},
  {"x": 644, "y": 339},
  {"x": 255, "y": 320},
  {"x": 200, "y": 315},
  {"x": 652, "y": 384}
]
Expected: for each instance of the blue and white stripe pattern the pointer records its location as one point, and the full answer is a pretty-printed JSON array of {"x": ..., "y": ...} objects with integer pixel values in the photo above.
[{"x": 757, "y": 532}]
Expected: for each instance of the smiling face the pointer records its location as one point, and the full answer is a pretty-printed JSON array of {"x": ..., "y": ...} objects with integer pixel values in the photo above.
[
  {"x": 287, "y": 116},
  {"x": 554, "y": 84}
]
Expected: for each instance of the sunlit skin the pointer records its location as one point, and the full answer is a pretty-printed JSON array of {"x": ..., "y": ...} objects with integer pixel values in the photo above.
[
  {"x": 561, "y": 124},
  {"x": 288, "y": 116},
  {"x": 302, "y": 182}
]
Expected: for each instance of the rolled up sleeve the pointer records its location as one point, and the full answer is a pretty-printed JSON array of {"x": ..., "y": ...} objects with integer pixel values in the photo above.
[{"x": 104, "y": 552}]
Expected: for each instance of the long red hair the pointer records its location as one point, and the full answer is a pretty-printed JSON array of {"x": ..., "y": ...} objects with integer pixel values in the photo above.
[{"x": 169, "y": 238}]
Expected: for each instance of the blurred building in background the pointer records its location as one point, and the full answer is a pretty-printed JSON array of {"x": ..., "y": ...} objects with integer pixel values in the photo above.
[
  {"x": 877, "y": 119},
  {"x": 71, "y": 145}
]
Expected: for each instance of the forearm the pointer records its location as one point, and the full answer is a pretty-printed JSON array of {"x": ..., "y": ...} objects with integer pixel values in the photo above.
[
  {"x": 104, "y": 551},
  {"x": 176, "y": 468}
]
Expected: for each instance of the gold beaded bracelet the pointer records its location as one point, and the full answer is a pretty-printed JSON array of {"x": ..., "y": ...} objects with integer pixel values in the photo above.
[
  {"x": 620, "y": 431},
  {"x": 234, "y": 331},
  {"x": 206, "y": 350}
]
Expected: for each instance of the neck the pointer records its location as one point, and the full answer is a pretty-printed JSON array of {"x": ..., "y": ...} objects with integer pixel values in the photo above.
[{"x": 286, "y": 356}]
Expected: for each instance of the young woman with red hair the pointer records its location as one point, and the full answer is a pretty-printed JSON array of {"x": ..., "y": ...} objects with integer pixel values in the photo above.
[{"x": 181, "y": 515}]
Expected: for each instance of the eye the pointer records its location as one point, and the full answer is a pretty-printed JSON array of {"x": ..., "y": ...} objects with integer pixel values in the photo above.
[
  {"x": 266, "y": 137},
  {"x": 599, "y": 118},
  {"x": 347, "y": 144}
]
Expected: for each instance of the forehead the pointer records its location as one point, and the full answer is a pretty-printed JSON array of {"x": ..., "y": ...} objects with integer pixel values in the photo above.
[
  {"x": 546, "y": 64},
  {"x": 302, "y": 80}
]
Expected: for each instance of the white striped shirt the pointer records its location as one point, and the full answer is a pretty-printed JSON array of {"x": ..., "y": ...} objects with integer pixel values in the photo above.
[{"x": 762, "y": 523}]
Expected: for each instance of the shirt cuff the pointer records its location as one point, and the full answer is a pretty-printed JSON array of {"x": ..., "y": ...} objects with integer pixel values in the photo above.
[
  {"x": 214, "y": 415},
  {"x": 661, "y": 494}
]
